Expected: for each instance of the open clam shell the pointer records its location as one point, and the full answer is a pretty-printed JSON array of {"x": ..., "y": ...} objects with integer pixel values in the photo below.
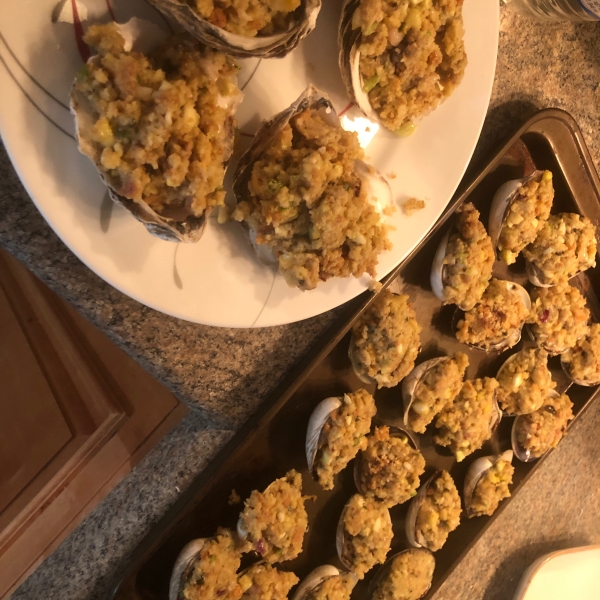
[
  {"x": 437, "y": 269},
  {"x": 183, "y": 565},
  {"x": 514, "y": 336},
  {"x": 302, "y": 22},
  {"x": 564, "y": 363},
  {"x": 477, "y": 470},
  {"x": 173, "y": 224},
  {"x": 384, "y": 571},
  {"x": 521, "y": 453},
  {"x": 317, "y": 421},
  {"x": 349, "y": 60},
  {"x": 411, "y": 381},
  {"x": 316, "y": 578},
  {"x": 342, "y": 537},
  {"x": 501, "y": 203},
  {"x": 394, "y": 432},
  {"x": 380, "y": 193}
]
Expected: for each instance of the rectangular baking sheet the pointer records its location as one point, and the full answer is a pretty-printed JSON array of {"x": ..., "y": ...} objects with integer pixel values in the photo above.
[{"x": 272, "y": 441}]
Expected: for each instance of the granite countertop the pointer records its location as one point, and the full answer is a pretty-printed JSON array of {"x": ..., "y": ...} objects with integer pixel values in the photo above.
[{"x": 226, "y": 373}]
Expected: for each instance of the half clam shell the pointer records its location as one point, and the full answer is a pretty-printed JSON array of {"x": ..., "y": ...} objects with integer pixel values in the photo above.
[
  {"x": 342, "y": 537},
  {"x": 514, "y": 336},
  {"x": 384, "y": 571},
  {"x": 413, "y": 534},
  {"x": 183, "y": 565},
  {"x": 302, "y": 22},
  {"x": 521, "y": 453},
  {"x": 588, "y": 352},
  {"x": 316, "y": 578},
  {"x": 317, "y": 421},
  {"x": 476, "y": 471},
  {"x": 380, "y": 193},
  {"x": 501, "y": 203}
]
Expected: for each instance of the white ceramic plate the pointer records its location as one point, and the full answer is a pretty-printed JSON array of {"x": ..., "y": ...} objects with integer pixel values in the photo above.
[
  {"x": 218, "y": 280},
  {"x": 572, "y": 574}
]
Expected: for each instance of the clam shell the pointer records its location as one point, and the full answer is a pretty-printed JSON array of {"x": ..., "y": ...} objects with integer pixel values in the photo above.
[
  {"x": 413, "y": 536},
  {"x": 317, "y": 421},
  {"x": 340, "y": 537},
  {"x": 477, "y": 470},
  {"x": 183, "y": 562},
  {"x": 410, "y": 382},
  {"x": 381, "y": 193},
  {"x": 180, "y": 226},
  {"x": 521, "y": 453},
  {"x": 271, "y": 46},
  {"x": 535, "y": 276},
  {"x": 565, "y": 367},
  {"x": 552, "y": 349},
  {"x": 384, "y": 570},
  {"x": 437, "y": 269},
  {"x": 502, "y": 201},
  {"x": 513, "y": 338},
  {"x": 314, "y": 579}
]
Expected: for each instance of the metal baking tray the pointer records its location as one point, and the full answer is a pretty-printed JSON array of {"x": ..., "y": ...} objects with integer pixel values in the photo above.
[{"x": 272, "y": 441}]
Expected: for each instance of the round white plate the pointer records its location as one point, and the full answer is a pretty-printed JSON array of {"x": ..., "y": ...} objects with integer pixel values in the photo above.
[{"x": 218, "y": 281}]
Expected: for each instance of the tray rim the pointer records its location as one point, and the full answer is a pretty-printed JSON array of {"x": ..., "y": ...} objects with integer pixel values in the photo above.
[{"x": 325, "y": 344}]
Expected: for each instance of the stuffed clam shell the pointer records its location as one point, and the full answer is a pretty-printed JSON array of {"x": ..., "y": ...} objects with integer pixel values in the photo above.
[
  {"x": 159, "y": 128},
  {"x": 326, "y": 583},
  {"x": 337, "y": 431},
  {"x": 536, "y": 433},
  {"x": 581, "y": 363},
  {"x": 519, "y": 210},
  {"x": 487, "y": 483},
  {"x": 462, "y": 266},
  {"x": 433, "y": 513},
  {"x": 399, "y": 60},
  {"x": 385, "y": 341},
  {"x": 245, "y": 28},
  {"x": 405, "y": 576},
  {"x": 207, "y": 568},
  {"x": 364, "y": 534},
  {"x": 308, "y": 201},
  {"x": 262, "y": 581},
  {"x": 430, "y": 387},
  {"x": 495, "y": 323}
]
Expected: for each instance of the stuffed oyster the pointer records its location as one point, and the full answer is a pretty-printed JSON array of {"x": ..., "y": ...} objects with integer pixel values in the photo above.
[
  {"x": 310, "y": 204},
  {"x": 159, "y": 128},
  {"x": 245, "y": 28}
]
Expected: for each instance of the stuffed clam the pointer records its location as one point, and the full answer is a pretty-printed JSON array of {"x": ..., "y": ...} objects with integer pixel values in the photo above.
[
  {"x": 245, "y": 28},
  {"x": 262, "y": 581},
  {"x": 462, "y": 266},
  {"x": 399, "y": 60},
  {"x": 487, "y": 483},
  {"x": 206, "y": 568},
  {"x": 559, "y": 317},
  {"x": 273, "y": 522},
  {"x": 405, "y": 576},
  {"x": 519, "y": 210},
  {"x": 310, "y": 204},
  {"x": 159, "y": 128},
  {"x": 581, "y": 363},
  {"x": 470, "y": 420},
  {"x": 390, "y": 467},
  {"x": 534, "y": 434},
  {"x": 564, "y": 246},
  {"x": 364, "y": 534},
  {"x": 434, "y": 512},
  {"x": 524, "y": 382},
  {"x": 385, "y": 341},
  {"x": 430, "y": 387},
  {"x": 326, "y": 583},
  {"x": 337, "y": 430},
  {"x": 495, "y": 323}
]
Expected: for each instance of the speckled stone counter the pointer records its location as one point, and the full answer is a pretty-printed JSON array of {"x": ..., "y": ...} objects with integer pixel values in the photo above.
[{"x": 226, "y": 373}]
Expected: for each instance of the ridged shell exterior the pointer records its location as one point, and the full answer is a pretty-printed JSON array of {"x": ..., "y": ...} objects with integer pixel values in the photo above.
[
  {"x": 317, "y": 421},
  {"x": 273, "y": 46},
  {"x": 188, "y": 229}
]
